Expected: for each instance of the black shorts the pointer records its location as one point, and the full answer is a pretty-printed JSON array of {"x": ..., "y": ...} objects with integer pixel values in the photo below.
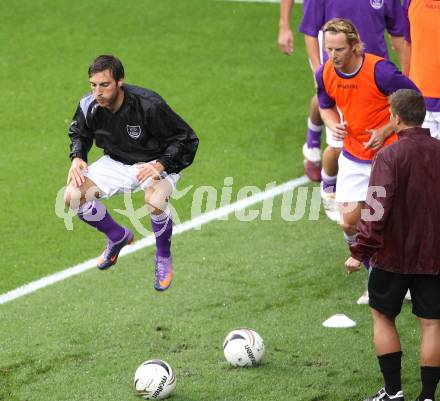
[{"x": 387, "y": 290}]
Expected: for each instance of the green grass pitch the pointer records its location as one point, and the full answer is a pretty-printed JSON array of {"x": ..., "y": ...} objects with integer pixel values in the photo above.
[{"x": 218, "y": 65}]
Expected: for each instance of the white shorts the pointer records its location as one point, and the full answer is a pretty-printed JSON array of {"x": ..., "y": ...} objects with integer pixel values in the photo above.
[
  {"x": 332, "y": 142},
  {"x": 352, "y": 182},
  {"x": 113, "y": 177},
  {"x": 321, "y": 51},
  {"x": 321, "y": 45},
  {"x": 432, "y": 121}
]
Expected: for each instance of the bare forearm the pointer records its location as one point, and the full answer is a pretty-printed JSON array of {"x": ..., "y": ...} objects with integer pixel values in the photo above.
[
  {"x": 286, "y": 7},
  {"x": 408, "y": 46},
  {"x": 333, "y": 122},
  {"x": 403, "y": 51},
  {"x": 330, "y": 117},
  {"x": 285, "y": 34},
  {"x": 386, "y": 129},
  {"x": 312, "y": 47}
]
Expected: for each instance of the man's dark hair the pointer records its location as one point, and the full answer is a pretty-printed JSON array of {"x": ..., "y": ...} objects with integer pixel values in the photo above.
[
  {"x": 107, "y": 62},
  {"x": 409, "y": 105}
]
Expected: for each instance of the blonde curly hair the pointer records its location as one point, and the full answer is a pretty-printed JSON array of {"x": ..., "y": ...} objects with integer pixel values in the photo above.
[{"x": 345, "y": 26}]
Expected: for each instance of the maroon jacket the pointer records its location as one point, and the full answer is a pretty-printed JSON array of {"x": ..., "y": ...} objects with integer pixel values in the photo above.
[{"x": 405, "y": 186}]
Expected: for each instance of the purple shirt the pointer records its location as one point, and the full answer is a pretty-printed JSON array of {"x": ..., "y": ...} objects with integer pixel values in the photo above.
[
  {"x": 371, "y": 18},
  {"x": 406, "y": 4}
]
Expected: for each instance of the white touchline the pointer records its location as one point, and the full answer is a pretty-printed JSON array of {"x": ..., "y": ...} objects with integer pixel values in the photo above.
[{"x": 150, "y": 240}]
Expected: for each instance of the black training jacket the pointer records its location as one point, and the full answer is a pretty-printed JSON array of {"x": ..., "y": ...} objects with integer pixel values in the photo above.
[{"x": 145, "y": 128}]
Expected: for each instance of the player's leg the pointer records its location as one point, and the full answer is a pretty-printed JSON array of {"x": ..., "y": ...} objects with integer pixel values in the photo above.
[
  {"x": 429, "y": 358},
  {"x": 387, "y": 291},
  {"x": 312, "y": 147},
  {"x": 389, "y": 354},
  {"x": 425, "y": 291},
  {"x": 350, "y": 213},
  {"x": 350, "y": 216},
  {"x": 351, "y": 193},
  {"x": 101, "y": 179},
  {"x": 315, "y": 125},
  {"x": 329, "y": 174},
  {"x": 84, "y": 200},
  {"x": 386, "y": 338},
  {"x": 330, "y": 162},
  {"x": 156, "y": 199},
  {"x": 157, "y": 195},
  {"x": 75, "y": 197}
]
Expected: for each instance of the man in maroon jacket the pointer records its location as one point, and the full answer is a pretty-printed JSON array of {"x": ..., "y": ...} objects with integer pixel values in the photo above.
[{"x": 400, "y": 232}]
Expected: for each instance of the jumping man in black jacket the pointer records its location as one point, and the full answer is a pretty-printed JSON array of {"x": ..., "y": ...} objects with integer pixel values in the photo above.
[{"x": 145, "y": 144}]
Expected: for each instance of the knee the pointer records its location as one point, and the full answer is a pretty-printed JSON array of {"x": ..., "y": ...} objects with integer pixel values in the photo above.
[
  {"x": 380, "y": 318},
  {"x": 314, "y": 102},
  {"x": 335, "y": 152},
  {"x": 429, "y": 324},
  {"x": 72, "y": 197},
  {"x": 331, "y": 154},
  {"x": 155, "y": 202},
  {"x": 67, "y": 197},
  {"x": 315, "y": 116},
  {"x": 157, "y": 196}
]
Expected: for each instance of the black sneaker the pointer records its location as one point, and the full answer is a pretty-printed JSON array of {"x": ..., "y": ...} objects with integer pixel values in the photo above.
[{"x": 382, "y": 395}]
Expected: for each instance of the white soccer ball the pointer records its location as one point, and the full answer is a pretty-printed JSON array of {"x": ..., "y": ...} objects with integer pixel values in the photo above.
[
  {"x": 243, "y": 347},
  {"x": 154, "y": 380}
]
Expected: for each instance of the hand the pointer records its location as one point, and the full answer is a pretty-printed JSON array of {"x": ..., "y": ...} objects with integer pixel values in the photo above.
[
  {"x": 75, "y": 177},
  {"x": 352, "y": 265},
  {"x": 376, "y": 140},
  {"x": 149, "y": 171},
  {"x": 339, "y": 131},
  {"x": 285, "y": 41}
]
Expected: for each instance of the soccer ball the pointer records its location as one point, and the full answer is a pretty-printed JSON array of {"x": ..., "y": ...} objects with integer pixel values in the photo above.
[
  {"x": 243, "y": 347},
  {"x": 154, "y": 380}
]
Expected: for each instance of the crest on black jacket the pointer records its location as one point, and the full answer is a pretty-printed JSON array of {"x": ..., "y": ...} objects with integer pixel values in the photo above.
[{"x": 134, "y": 131}]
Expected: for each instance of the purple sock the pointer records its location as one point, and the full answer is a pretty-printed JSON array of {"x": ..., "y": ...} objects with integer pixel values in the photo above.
[
  {"x": 328, "y": 187},
  {"x": 162, "y": 226},
  {"x": 366, "y": 263},
  {"x": 313, "y": 135},
  {"x": 328, "y": 182},
  {"x": 349, "y": 238},
  {"x": 96, "y": 215}
]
